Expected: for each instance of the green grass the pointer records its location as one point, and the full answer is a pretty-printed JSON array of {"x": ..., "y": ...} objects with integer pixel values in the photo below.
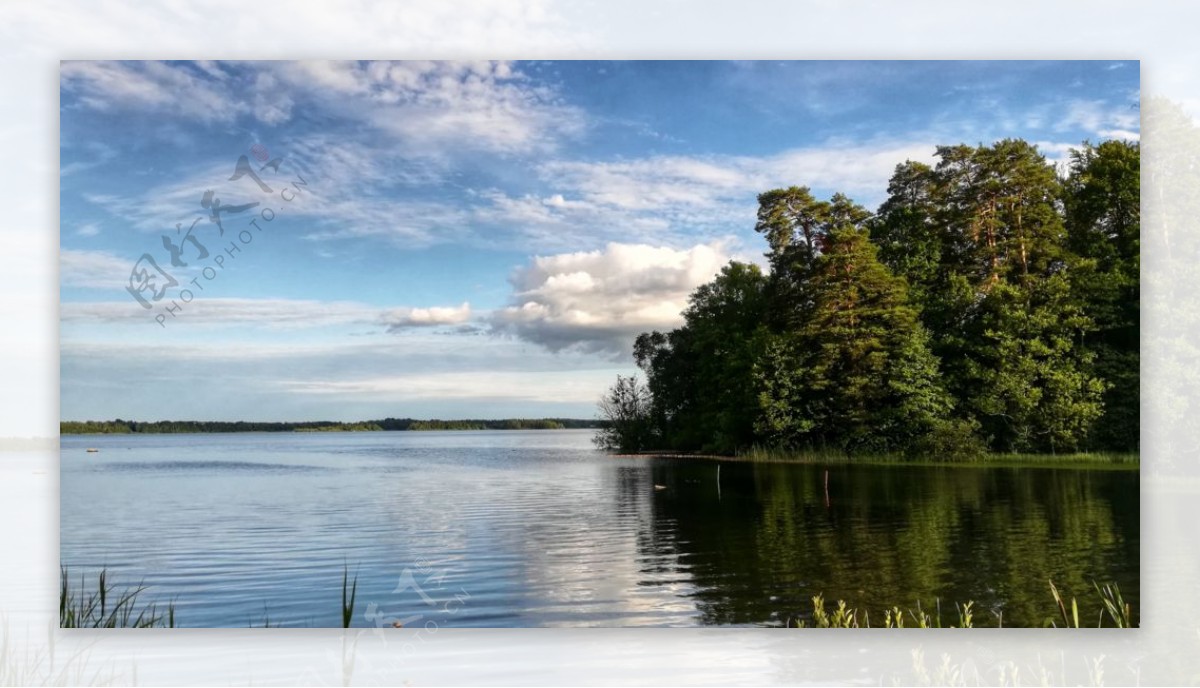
[
  {"x": 1116, "y": 613},
  {"x": 349, "y": 593},
  {"x": 1103, "y": 460},
  {"x": 100, "y": 604},
  {"x": 1120, "y": 611},
  {"x": 106, "y": 606}
]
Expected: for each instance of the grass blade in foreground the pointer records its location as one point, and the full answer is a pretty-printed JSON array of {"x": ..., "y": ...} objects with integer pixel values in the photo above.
[{"x": 106, "y": 607}]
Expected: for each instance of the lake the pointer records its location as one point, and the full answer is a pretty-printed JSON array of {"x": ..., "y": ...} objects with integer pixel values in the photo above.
[{"x": 536, "y": 528}]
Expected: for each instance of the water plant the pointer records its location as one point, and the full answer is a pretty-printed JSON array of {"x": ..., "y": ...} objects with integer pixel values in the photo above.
[
  {"x": 106, "y": 606},
  {"x": 1118, "y": 612},
  {"x": 349, "y": 592}
]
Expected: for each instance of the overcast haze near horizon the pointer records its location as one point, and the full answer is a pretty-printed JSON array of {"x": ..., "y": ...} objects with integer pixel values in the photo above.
[{"x": 475, "y": 240}]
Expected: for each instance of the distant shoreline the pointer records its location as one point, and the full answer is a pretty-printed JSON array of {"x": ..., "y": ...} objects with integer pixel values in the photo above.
[{"x": 129, "y": 427}]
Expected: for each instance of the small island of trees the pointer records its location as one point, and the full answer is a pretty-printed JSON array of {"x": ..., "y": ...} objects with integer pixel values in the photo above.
[{"x": 990, "y": 304}]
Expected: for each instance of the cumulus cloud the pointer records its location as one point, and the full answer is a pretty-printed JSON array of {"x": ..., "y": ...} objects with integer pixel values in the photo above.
[
  {"x": 598, "y": 301},
  {"x": 403, "y": 318}
]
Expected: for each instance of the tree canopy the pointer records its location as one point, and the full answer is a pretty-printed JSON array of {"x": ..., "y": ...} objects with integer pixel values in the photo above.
[{"x": 991, "y": 302}]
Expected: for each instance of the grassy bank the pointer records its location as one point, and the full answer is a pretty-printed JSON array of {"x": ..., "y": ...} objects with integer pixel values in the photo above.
[
  {"x": 1090, "y": 460},
  {"x": 1114, "y": 612}
]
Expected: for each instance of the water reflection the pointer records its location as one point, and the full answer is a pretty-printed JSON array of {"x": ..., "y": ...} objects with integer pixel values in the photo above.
[
  {"x": 538, "y": 529},
  {"x": 758, "y": 549}
]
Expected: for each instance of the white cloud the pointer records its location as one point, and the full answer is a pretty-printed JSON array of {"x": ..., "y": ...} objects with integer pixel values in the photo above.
[
  {"x": 429, "y": 107},
  {"x": 270, "y": 313},
  {"x": 1057, "y": 153},
  {"x": 362, "y": 189},
  {"x": 351, "y": 192},
  {"x": 571, "y": 386},
  {"x": 651, "y": 183},
  {"x": 600, "y": 300},
  {"x": 100, "y": 154},
  {"x": 93, "y": 269},
  {"x": 860, "y": 171},
  {"x": 177, "y": 89},
  {"x": 665, "y": 182},
  {"x": 678, "y": 200},
  {"x": 476, "y": 105},
  {"x": 357, "y": 191},
  {"x": 310, "y": 370},
  {"x": 282, "y": 313},
  {"x": 1123, "y": 134},
  {"x": 272, "y": 105},
  {"x": 401, "y": 318},
  {"x": 1098, "y": 117},
  {"x": 338, "y": 76}
]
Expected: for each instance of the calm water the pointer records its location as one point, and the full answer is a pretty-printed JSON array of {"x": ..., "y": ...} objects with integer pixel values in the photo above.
[{"x": 516, "y": 528}]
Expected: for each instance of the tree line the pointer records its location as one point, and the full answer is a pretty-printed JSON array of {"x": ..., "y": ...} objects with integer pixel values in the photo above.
[
  {"x": 991, "y": 303},
  {"x": 120, "y": 426}
]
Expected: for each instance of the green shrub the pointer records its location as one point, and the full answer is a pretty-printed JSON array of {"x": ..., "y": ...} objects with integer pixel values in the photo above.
[{"x": 951, "y": 440}]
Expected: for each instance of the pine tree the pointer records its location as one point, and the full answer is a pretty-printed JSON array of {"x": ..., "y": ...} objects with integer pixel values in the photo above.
[
  {"x": 1102, "y": 204},
  {"x": 982, "y": 237},
  {"x": 857, "y": 373}
]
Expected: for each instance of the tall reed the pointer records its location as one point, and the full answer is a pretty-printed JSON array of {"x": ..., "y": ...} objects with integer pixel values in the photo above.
[
  {"x": 348, "y": 600},
  {"x": 107, "y": 607}
]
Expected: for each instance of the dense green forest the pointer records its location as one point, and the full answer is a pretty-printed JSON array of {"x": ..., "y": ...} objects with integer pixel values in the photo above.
[
  {"x": 119, "y": 426},
  {"x": 991, "y": 303}
]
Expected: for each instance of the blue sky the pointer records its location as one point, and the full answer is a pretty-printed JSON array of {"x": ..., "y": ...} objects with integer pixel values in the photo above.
[{"x": 474, "y": 239}]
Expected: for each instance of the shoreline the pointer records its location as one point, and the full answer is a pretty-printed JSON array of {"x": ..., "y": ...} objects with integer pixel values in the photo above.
[{"x": 1107, "y": 461}]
